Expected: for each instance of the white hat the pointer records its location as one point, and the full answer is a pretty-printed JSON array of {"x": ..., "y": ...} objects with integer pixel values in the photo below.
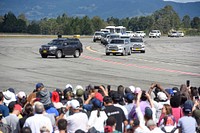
[
  {"x": 132, "y": 88},
  {"x": 75, "y": 104},
  {"x": 161, "y": 96},
  {"x": 137, "y": 89},
  {"x": 21, "y": 94},
  {"x": 68, "y": 86},
  {"x": 8, "y": 97},
  {"x": 58, "y": 105}
]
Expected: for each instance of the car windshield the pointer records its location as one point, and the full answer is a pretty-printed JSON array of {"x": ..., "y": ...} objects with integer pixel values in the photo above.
[
  {"x": 98, "y": 33},
  {"x": 153, "y": 31},
  {"x": 136, "y": 40},
  {"x": 117, "y": 42},
  {"x": 56, "y": 42},
  {"x": 114, "y": 36}
]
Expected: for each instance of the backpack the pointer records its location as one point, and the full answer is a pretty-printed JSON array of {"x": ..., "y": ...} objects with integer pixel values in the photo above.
[
  {"x": 5, "y": 128},
  {"x": 172, "y": 131}
]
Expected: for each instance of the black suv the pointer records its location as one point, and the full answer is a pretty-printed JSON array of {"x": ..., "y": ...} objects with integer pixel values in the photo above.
[{"x": 61, "y": 47}]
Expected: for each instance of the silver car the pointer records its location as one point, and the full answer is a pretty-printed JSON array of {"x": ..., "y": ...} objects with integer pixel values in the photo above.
[
  {"x": 137, "y": 44},
  {"x": 119, "y": 46}
]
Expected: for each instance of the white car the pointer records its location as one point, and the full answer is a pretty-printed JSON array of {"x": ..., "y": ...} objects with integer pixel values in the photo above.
[
  {"x": 119, "y": 46},
  {"x": 97, "y": 36},
  {"x": 140, "y": 34},
  {"x": 180, "y": 34},
  {"x": 137, "y": 44},
  {"x": 155, "y": 34}
]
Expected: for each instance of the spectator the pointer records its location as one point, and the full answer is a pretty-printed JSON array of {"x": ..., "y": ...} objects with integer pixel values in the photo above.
[
  {"x": 21, "y": 98},
  {"x": 26, "y": 130},
  {"x": 3, "y": 108},
  {"x": 175, "y": 103},
  {"x": 111, "y": 125},
  {"x": 28, "y": 111},
  {"x": 97, "y": 117},
  {"x": 8, "y": 97},
  {"x": 152, "y": 127},
  {"x": 149, "y": 112},
  {"x": 167, "y": 118},
  {"x": 130, "y": 106},
  {"x": 38, "y": 120},
  {"x": 13, "y": 119},
  {"x": 4, "y": 128},
  {"x": 117, "y": 98},
  {"x": 116, "y": 112},
  {"x": 73, "y": 121},
  {"x": 62, "y": 126},
  {"x": 187, "y": 124}
]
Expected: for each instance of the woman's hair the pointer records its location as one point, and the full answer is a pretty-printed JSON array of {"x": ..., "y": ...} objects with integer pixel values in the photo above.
[
  {"x": 28, "y": 110},
  {"x": 168, "y": 109},
  {"x": 175, "y": 101}
]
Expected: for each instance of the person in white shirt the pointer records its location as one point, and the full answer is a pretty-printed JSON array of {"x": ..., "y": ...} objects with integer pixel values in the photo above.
[
  {"x": 79, "y": 120},
  {"x": 38, "y": 121}
]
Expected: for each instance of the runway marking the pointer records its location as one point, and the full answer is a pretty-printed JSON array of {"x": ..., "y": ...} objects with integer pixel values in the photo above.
[{"x": 137, "y": 66}]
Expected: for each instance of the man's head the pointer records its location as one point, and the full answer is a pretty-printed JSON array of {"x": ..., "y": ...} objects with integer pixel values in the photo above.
[
  {"x": 62, "y": 124},
  {"x": 1, "y": 96},
  {"x": 38, "y": 107},
  {"x": 39, "y": 86},
  {"x": 107, "y": 100},
  {"x": 151, "y": 124}
]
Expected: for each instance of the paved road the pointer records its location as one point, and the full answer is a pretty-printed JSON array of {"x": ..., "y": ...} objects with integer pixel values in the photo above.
[{"x": 168, "y": 61}]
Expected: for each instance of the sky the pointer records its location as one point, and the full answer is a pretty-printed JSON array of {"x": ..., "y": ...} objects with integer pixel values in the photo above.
[{"x": 183, "y": 1}]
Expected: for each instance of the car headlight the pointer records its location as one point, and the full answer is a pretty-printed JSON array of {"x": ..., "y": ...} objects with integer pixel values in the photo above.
[{"x": 53, "y": 48}]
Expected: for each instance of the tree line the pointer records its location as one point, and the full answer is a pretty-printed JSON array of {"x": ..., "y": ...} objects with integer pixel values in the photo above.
[{"x": 164, "y": 20}]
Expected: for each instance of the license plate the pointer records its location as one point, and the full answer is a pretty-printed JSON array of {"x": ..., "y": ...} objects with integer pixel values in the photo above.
[
  {"x": 137, "y": 49},
  {"x": 113, "y": 51},
  {"x": 44, "y": 51}
]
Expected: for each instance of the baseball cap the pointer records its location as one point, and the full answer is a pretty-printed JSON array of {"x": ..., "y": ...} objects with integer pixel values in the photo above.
[
  {"x": 39, "y": 85},
  {"x": 161, "y": 96},
  {"x": 18, "y": 107},
  {"x": 132, "y": 88},
  {"x": 96, "y": 103},
  {"x": 21, "y": 94},
  {"x": 74, "y": 104},
  {"x": 129, "y": 96},
  {"x": 11, "y": 90},
  {"x": 108, "y": 129},
  {"x": 137, "y": 89},
  {"x": 187, "y": 106},
  {"x": 148, "y": 112}
]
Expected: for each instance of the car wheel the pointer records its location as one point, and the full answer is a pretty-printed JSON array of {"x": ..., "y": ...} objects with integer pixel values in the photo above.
[
  {"x": 94, "y": 40},
  {"x": 130, "y": 52},
  {"x": 44, "y": 56},
  {"x": 107, "y": 53},
  {"x": 114, "y": 54},
  {"x": 124, "y": 52},
  {"x": 143, "y": 51},
  {"x": 59, "y": 54},
  {"x": 77, "y": 53}
]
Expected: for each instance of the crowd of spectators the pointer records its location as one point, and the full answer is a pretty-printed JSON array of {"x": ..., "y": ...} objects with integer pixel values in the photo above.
[{"x": 101, "y": 109}]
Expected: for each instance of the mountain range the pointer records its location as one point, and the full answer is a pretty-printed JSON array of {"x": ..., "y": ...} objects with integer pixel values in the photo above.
[{"x": 38, "y": 9}]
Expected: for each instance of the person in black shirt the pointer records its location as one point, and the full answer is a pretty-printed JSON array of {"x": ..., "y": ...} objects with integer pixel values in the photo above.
[{"x": 116, "y": 112}]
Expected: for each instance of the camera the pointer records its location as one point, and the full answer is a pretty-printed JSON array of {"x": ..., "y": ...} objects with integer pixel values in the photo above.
[
  {"x": 188, "y": 83},
  {"x": 63, "y": 110}
]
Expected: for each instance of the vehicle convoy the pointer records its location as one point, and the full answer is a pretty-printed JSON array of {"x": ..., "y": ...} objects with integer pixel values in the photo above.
[
  {"x": 154, "y": 34},
  {"x": 119, "y": 46},
  {"x": 97, "y": 36},
  {"x": 61, "y": 47},
  {"x": 137, "y": 44}
]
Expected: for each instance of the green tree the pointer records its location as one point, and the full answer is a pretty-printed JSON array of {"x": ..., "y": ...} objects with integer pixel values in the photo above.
[
  {"x": 97, "y": 23},
  {"x": 10, "y": 23},
  {"x": 166, "y": 19},
  {"x": 33, "y": 28},
  {"x": 186, "y": 21},
  {"x": 86, "y": 26},
  {"x": 195, "y": 23}
]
